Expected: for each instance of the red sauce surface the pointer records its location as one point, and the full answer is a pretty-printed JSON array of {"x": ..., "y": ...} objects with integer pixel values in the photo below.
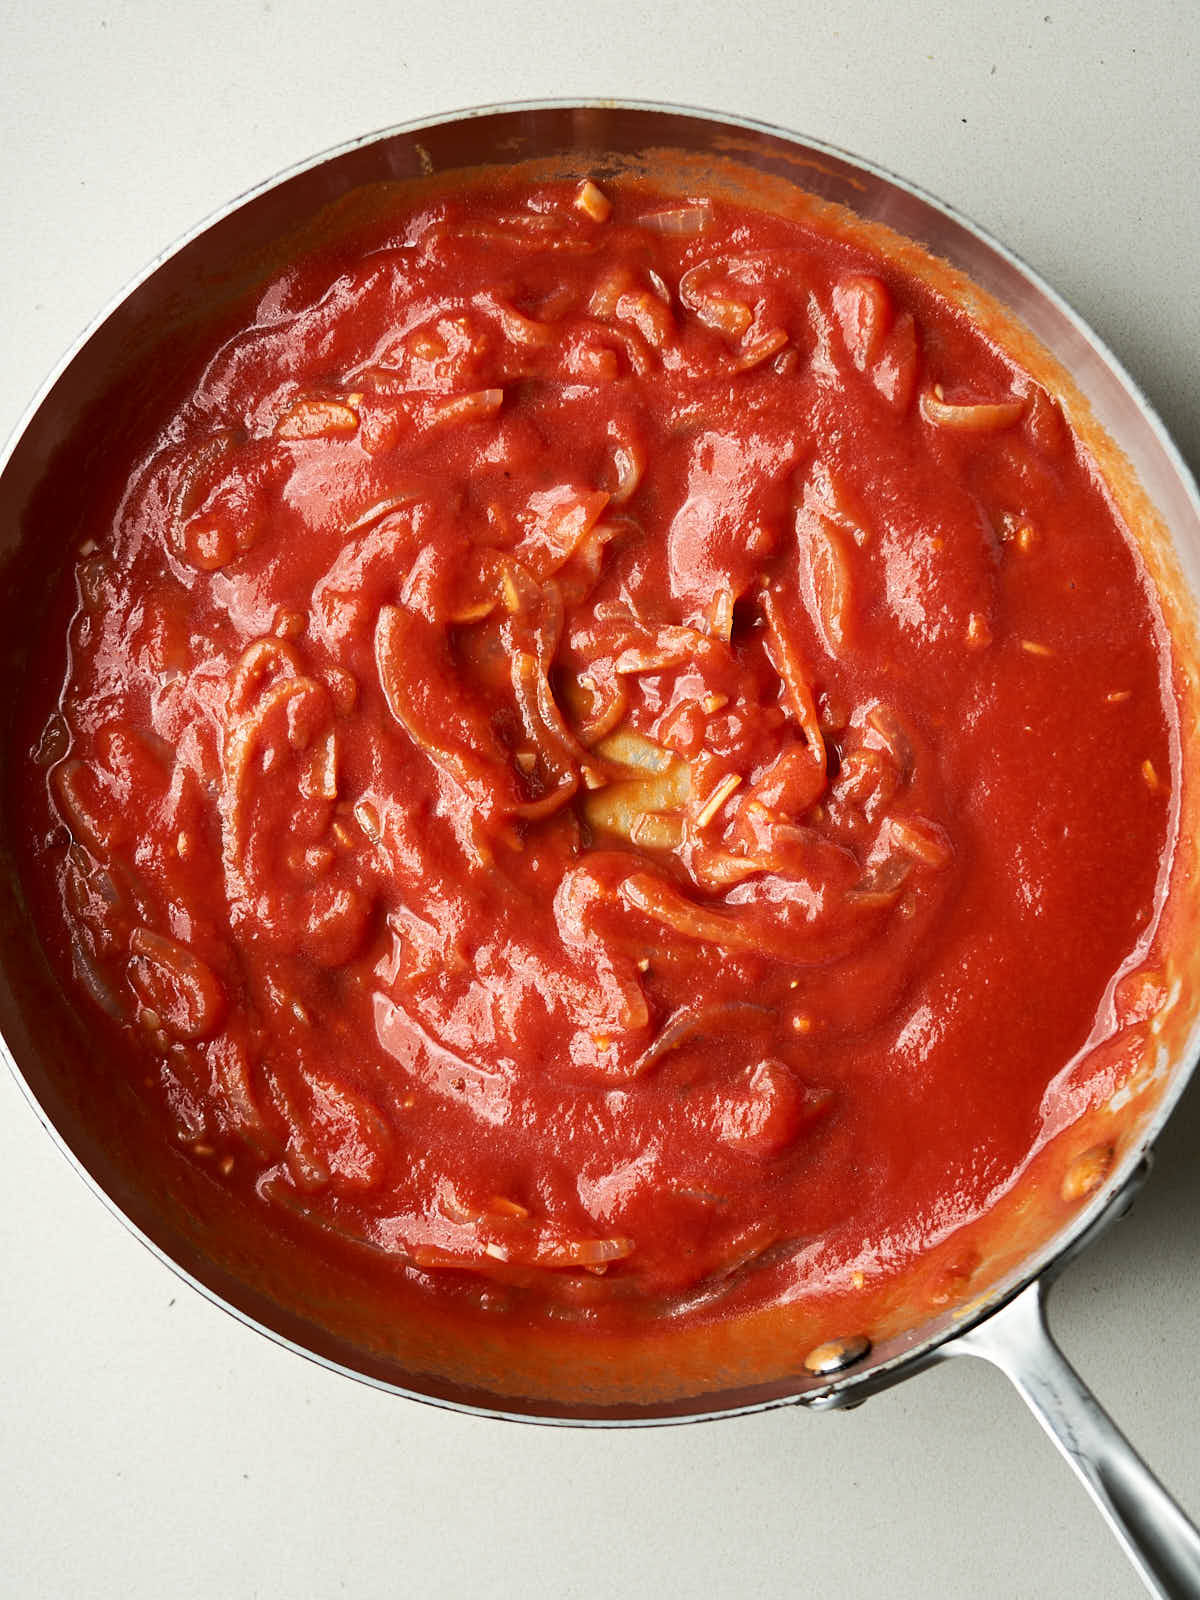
[{"x": 615, "y": 758}]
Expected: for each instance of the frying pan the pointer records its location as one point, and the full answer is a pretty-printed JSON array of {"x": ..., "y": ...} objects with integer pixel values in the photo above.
[{"x": 57, "y": 470}]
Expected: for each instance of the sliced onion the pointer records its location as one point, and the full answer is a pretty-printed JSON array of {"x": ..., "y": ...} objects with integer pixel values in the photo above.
[
  {"x": 264, "y": 663},
  {"x": 629, "y": 463},
  {"x": 412, "y": 659},
  {"x": 883, "y": 721},
  {"x": 71, "y": 783},
  {"x": 756, "y": 351},
  {"x": 230, "y": 1066},
  {"x": 984, "y": 417},
  {"x": 718, "y": 312},
  {"x": 94, "y": 981},
  {"x": 684, "y": 221},
  {"x": 921, "y": 839},
  {"x": 787, "y": 663},
  {"x": 707, "y": 925},
  {"x": 591, "y": 199},
  {"x": 646, "y": 312},
  {"x": 317, "y": 419},
  {"x": 518, "y": 328},
  {"x": 467, "y": 407},
  {"x": 582, "y": 1252},
  {"x": 881, "y": 884},
  {"x": 688, "y": 1021},
  {"x": 659, "y": 285},
  {"x": 172, "y": 980},
  {"x": 657, "y": 830},
  {"x": 609, "y": 703},
  {"x": 828, "y": 580}
]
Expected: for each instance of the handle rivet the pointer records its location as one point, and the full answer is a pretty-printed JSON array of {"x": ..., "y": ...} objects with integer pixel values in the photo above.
[
  {"x": 836, "y": 1355},
  {"x": 1087, "y": 1172}
]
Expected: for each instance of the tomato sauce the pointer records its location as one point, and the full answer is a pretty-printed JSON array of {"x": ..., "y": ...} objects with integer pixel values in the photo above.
[{"x": 616, "y": 753}]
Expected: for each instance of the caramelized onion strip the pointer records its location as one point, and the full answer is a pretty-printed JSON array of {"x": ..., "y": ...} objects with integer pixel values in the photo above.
[
  {"x": 68, "y": 781},
  {"x": 610, "y": 702},
  {"x": 266, "y": 660},
  {"x": 787, "y": 663},
  {"x": 718, "y": 312},
  {"x": 402, "y": 648},
  {"x": 689, "y": 1021},
  {"x": 244, "y": 739},
  {"x": 681, "y": 221},
  {"x": 707, "y": 925},
  {"x": 975, "y": 417},
  {"x": 174, "y": 981}
]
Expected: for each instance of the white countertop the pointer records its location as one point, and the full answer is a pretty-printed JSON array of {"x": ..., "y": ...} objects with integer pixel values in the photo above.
[{"x": 150, "y": 1446}]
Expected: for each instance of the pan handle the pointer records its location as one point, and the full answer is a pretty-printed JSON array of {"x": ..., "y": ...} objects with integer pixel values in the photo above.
[{"x": 1156, "y": 1535}]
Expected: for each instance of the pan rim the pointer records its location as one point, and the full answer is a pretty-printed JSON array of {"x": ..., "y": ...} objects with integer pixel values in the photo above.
[{"x": 1066, "y": 1240}]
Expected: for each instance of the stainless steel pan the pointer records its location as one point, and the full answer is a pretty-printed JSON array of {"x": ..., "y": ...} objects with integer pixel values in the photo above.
[{"x": 125, "y": 367}]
